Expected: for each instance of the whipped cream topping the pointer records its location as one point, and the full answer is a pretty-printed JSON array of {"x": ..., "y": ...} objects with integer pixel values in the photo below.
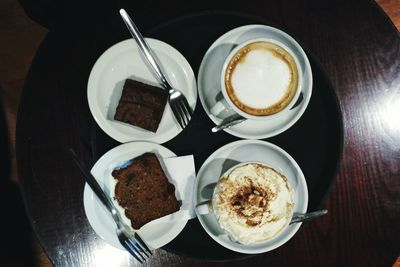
[{"x": 253, "y": 203}]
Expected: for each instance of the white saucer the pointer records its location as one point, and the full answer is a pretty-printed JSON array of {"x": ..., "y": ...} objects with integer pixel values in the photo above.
[
  {"x": 210, "y": 88},
  {"x": 245, "y": 151},
  {"x": 124, "y": 60},
  {"x": 155, "y": 235}
]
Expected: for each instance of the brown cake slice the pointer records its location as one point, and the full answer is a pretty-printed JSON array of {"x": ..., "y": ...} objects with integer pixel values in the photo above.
[
  {"x": 141, "y": 105},
  {"x": 144, "y": 191}
]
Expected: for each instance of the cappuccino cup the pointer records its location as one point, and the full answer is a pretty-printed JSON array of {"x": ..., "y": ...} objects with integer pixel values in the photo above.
[
  {"x": 252, "y": 203},
  {"x": 260, "y": 79}
]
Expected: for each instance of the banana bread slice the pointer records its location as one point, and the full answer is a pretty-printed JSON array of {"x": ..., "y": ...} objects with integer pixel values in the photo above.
[
  {"x": 141, "y": 105},
  {"x": 144, "y": 191}
]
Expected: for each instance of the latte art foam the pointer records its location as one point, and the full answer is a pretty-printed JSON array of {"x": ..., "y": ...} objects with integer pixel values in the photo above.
[
  {"x": 253, "y": 203},
  {"x": 253, "y": 79},
  {"x": 261, "y": 79}
]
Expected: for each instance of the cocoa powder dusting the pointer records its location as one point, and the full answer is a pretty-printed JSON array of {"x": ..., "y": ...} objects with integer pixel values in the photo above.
[{"x": 250, "y": 202}]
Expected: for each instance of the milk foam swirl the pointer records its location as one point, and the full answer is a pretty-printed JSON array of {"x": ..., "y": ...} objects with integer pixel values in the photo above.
[{"x": 261, "y": 78}]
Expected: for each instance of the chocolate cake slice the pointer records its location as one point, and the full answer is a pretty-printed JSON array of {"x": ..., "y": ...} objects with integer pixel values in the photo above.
[
  {"x": 144, "y": 191},
  {"x": 141, "y": 105}
]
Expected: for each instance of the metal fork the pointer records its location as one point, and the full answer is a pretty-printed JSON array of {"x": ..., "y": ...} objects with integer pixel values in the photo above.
[
  {"x": 131, "y": 241},
  {"x": 178, "y": 102}
]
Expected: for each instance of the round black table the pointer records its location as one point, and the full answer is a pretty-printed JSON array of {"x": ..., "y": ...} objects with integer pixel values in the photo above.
[{"x": 353, "y": 46}]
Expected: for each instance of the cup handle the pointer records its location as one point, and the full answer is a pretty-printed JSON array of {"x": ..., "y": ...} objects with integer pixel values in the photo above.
[
  {"x": 298, "y": 101},
  {"x": 203, "y": 209},
  {"x": 219, "y": 107}
]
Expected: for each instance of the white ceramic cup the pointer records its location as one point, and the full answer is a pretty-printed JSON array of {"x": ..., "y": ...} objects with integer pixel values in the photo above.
[
  {"x": 235, "y": 153},
  {"x": 207, "y": 207},
  {"x": 225, "y": 104}
]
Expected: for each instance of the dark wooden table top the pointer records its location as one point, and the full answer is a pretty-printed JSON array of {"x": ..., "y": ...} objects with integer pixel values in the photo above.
[{"x": 355, "y": 43}]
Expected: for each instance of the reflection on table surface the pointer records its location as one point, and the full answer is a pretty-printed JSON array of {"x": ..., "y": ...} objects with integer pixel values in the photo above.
[{"x": 363, "y": 204}]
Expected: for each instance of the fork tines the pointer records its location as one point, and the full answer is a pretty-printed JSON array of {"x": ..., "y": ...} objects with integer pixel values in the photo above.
[
  {"x": 135, "y": 246},
  {"x": 181, "y": 109}
]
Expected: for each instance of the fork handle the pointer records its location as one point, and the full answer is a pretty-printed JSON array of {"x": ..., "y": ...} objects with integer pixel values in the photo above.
[
  {"x": 95, "y": 186},
  {"x": 144, "y": 47}
]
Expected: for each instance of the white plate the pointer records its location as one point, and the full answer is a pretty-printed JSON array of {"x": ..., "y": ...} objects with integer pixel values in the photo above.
[
  {"x": 244, "y": 151},
  {"x": 210, "y": 88},
  {"x": 124, "y": 60},
  {"x": 155, "y": 235}
]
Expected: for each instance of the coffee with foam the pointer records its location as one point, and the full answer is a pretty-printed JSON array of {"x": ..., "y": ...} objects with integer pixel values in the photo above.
[
  {"x": 253, "y": 203},
  {"x": 261, "y": 78}
]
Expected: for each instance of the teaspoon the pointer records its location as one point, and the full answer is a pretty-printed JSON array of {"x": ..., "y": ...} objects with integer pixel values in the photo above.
[
  {"x": 236, "y": 118},
  {"x": 302, "y": 217}
]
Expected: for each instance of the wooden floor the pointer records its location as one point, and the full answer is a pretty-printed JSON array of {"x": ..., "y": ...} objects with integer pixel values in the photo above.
[{"x": 20, "y": 38}]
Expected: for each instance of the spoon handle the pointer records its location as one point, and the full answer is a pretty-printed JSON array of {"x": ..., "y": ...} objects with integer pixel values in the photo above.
[
  {"x": 307, "y": 216},
  {"x": 228, "y": 122}
]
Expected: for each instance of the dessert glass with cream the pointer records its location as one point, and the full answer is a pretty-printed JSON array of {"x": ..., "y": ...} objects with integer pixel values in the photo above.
[
  {"x": 252, "y": 202},
  {"x": 260, "y": 79}
]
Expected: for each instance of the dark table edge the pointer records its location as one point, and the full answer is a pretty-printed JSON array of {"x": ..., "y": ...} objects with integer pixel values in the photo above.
[
  {"x": 19, "y": 135},
  {"x": 19, "y": 148}
]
